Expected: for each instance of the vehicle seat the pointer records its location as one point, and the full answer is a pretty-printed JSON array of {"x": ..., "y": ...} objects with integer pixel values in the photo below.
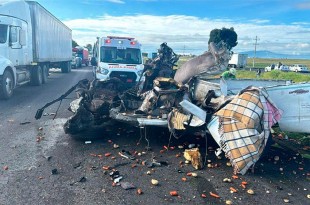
[
  {"x": 108, "y": 56},
  {"x": 128, "y": 57}
]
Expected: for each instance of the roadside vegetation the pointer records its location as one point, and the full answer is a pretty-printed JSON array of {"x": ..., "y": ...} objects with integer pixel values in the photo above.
[{"x": 274, "y": 75}]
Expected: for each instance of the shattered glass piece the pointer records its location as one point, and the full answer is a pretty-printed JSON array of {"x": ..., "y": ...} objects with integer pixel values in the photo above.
[
  {"x": 127, "y": 185},
  {"x": 82, "y": 179},
  {"x": 118, "y": 179}
]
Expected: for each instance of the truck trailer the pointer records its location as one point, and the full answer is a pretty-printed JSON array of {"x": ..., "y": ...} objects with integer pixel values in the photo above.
[
  {"x": 238, "y": 60},
  {"x": 32, "y": 40}
]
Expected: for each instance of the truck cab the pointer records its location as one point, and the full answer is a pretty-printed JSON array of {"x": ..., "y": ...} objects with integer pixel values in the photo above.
[
  {"x": 83, "y": 54},
  {"x": 119, "y": 57},
  {"x": 27, "y": 48},
  {"x": 14, "y": 46}
]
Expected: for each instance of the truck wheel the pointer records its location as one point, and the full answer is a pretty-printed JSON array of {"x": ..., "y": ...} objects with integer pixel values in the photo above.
[
  {"x": 44, "y": 74},
  {"x": 37, "y": 76},
  {"x": 7, "y": 85},
  {"x": 66, "y": 67}
]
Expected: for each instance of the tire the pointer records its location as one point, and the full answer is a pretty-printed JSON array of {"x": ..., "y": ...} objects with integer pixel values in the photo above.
[
  {"x": 66, "y": 67},
  {"x": 7, "y": 85},
  {"x": 44, "y": 74},
  {"x": 69, "y": 66},
  {"x": 37, "y": 76}
]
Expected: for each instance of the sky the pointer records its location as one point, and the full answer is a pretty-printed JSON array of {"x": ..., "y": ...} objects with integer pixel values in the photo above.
[{"x": 280, "y": 26}]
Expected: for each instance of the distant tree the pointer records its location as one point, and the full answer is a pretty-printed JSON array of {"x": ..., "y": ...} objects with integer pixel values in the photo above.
[
  {"x": 89, "y": 47},
  {"x": 229, "y": 36},
  {"x": 74, "y": 43}
]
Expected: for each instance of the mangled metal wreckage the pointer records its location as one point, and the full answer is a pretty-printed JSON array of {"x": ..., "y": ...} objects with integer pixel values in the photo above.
[{"x": 239, "y": 122}]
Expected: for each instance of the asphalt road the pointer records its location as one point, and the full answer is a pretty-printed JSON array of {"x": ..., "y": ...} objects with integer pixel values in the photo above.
[{"x": 40, "y": 164}]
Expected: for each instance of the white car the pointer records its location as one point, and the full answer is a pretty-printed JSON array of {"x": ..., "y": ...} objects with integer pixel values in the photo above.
[
  {"x": 299, "y": 68},
  {"x": 277, "y": 67},
  {"x": 282, "y": 67}
]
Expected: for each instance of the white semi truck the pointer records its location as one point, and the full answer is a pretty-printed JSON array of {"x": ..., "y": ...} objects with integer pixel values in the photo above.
[
  {"x": 32, "y": 40},
  {"x": 119, "y": 57}
]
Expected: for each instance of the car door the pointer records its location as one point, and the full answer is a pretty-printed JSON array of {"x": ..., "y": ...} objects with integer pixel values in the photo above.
[{"x": 16, "y": 54}]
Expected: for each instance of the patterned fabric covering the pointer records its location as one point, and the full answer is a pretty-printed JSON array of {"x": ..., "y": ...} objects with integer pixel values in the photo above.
[{"x": 244, "y": 126}]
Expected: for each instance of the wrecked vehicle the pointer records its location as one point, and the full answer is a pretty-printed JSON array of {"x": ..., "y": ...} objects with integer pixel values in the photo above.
[{"x": 239, "y": 122}]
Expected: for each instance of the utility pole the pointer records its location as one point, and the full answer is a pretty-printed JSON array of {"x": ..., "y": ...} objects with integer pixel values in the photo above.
[
  {"x": 255, "y": 44},
  {"x": 183, "y": 50}
]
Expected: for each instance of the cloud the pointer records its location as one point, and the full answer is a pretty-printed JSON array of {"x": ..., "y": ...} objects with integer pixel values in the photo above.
[
  {"x": 5, "y": 1},
  {"x": 303, "y": 5},
  {"x": 116, "y": 1},
  {"x": 259, "y": 21},
  {"x": 190, "y": 34},
  {"x": 147, "y": 0},
  {"x": 301, "y": 23}
]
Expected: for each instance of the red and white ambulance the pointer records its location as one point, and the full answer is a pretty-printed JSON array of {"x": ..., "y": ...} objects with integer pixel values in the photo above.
[{"x": 119, "y": 57}]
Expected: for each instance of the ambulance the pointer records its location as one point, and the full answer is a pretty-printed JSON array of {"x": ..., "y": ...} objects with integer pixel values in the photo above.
[{"x": 119, "y": 57}]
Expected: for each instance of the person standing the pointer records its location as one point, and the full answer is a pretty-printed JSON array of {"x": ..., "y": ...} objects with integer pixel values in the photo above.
[
  {"x": 229, "y": 74},
  {"x": 258, "y": 73}
]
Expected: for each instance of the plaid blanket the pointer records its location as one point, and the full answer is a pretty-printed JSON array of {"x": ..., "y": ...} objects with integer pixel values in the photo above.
[{"x": 244, "y": 127}]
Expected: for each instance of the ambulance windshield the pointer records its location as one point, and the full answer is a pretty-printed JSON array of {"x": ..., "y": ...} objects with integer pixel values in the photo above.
[{"x": 121, "y": 56}]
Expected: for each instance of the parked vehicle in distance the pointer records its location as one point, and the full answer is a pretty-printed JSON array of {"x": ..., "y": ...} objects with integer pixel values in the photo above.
[
  {"x": 238, "y": 60},
  {"x": 76, "y": 61},
  {"x": 283, "y": 67},
  {"x": 280, "y": 67},
  {"x": 299, "y": 68},
  {"x": 83, "y": 54},
  {"x": 270, "y": 67},
  {"x": 33, "y": 40}
]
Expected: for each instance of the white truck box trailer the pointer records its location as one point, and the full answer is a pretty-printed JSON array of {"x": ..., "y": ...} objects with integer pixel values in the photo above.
[
  {"x": 238, "y": 60},
  {"x": 31, "y": 41}
]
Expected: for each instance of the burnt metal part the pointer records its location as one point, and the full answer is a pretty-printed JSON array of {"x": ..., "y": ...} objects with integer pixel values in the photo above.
[
  {"x": 41, "y": 110},
  {"x": 161, "y": 66}
]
